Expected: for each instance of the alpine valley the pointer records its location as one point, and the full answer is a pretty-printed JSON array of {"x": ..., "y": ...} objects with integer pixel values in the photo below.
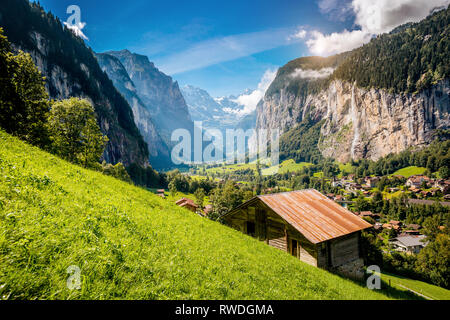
[{"x": 94, "y": 206}]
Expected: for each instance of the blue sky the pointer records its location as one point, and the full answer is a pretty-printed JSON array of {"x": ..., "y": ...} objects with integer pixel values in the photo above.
[{"x": 227, "y": 46}]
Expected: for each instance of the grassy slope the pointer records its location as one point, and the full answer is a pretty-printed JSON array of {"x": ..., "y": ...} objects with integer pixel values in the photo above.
[
  {"x": 131, "y": 244},
  {"x": 285, "y": 166},
  {"x": 410, "y": 171},
  {"x": 429, "y": 290}
]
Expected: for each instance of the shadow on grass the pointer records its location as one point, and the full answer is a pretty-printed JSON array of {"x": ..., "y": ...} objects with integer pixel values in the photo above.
[{"x": 389, "y": 290}]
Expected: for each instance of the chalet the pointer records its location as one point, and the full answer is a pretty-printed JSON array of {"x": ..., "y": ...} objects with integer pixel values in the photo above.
[
  {"x": 387, "y": 226},
  {"x": 378, "y": 226},
  {"x": 208, "y": 209},
  {"x": 425, "y": 193},
  {"x": 409, "y": 243},
  {"x": 416, "y": 181},
  {"x": 371, "y": 182},
  {"x": 414, "y": 226},
  {"x": 188, "y": 204},
  {"x": 443, "y": 185},
  {"x": 307, "y": 225},
  {"x": 370, "y": 214},
  {"x": 395, "y": 223}
]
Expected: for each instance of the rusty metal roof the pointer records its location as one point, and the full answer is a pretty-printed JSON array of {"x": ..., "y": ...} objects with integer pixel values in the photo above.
[{"x": 314, "y": 215}]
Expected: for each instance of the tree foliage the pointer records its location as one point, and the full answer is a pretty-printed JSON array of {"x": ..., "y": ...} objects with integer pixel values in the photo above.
[
  {"x": 434, "y": 260},
  {"x": 74, "y": 132},
  {"x": 24, "y": 101},
  {"x": 409, "y": 59}
]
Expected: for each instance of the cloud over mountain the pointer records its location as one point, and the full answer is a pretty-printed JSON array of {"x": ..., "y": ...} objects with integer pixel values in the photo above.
[{"x": 372, "y": 18}]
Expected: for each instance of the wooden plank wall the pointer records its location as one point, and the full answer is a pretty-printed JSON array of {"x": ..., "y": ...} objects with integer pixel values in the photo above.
[
  {"x": 308, "y": 250},
  {"x": 274, "y": 230},
  {"x": 344, "y": 249}
]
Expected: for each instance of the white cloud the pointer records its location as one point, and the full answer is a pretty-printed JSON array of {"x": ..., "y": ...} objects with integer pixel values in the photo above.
[
  {"x": 311, "y": 74},
  {"x": 300, "y": 34},
  {"x": 249, "y": 101},
  {"x": 372, "y": 17},
  {"x": 384, "y": 15},
  {"x": 77, "y": 29},
  {"x": 325, "y": 45}
]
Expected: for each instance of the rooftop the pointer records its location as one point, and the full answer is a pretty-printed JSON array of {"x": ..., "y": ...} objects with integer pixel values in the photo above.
[
  {"x": 311, "y": 213},
  {"x": 410, "y": 241}
]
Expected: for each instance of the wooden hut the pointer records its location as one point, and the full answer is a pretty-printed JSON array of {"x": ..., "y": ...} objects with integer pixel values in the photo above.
[
  {"x": 306, "y": 224},
  {"x": 188, "y": 204}
]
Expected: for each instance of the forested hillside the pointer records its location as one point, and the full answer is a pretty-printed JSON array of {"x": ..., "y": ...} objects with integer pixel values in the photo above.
[
  {"x": 71, "y": 69},
  {"x": 409, "y": 59},
  {"x": 384, "y": 97}
]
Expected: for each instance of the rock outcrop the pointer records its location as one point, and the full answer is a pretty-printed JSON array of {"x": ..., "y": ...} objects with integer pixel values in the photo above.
[
  {"x": 158, "y": 150},
  {"x": 160, "y": 94},
  {"x": 361, "y": 123},
  {"x": 71, "y": 70}
]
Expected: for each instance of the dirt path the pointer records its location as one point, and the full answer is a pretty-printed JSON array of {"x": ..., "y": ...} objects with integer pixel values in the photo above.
[{"x": 415, "y": 292}]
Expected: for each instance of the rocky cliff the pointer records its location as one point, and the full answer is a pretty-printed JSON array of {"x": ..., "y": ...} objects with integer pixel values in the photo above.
[
  {"x": 360, "y": 123},
  {"x": 71, "y": 69},
  {"x": 160, "y": 94},
  {"x": 384, "y": 97},
  {"x": 158, "y": 150}
]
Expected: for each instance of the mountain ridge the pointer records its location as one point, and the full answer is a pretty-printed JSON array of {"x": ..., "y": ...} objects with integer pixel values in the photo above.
[
  {"x": 71, "y": 69},
  {"x": 160, "y": 94},
  {"x": 359, "y": 97},
  {"x": 158, "y": 150}
]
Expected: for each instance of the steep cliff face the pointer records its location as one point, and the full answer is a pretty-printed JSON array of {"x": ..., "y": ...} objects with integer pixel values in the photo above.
[
  {"x": 158, "y": 150},
  {"x": 362, "y": 123},
  {"x": 382, "y": 98},
  {"x": 160, "y": 94},
  {"x": 71, "y": 69}
]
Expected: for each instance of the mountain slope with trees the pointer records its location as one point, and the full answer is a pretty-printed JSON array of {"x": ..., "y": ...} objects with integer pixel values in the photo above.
[
  {"x": 384, "y": 97},
  {"x": 71, "y": 69}
]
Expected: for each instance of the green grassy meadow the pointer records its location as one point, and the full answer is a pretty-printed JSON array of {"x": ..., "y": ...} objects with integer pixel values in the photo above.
[
  {"x": 131, "y": 244},
  {"x": 410, "y": 171},
  {"x": 429, "y": 290}
]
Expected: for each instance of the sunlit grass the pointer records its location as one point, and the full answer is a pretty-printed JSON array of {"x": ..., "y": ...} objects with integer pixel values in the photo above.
[
  {"x": 429, "y": 290},
  {"x": 131, "y": 244},
  {"x": 410, "y": 171}
]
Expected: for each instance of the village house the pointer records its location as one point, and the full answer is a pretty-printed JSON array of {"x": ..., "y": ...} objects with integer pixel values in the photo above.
[
  {"x": 443, "y": 185},
  {"x": 370, "y": 214},
  {"x": 188, "y": 204},
  {"x": 409, "y": 243},
  {"x": 416, "y": 181},
  {"x": 371, "y": 182},
  {"x": 207, "y": 210},
  {"x": 307, "y": 225},
  {"x": 160, "y": 193},
  {"x": 378, "y": 226},
  {"x": 387, "y": 226},
  {"x": 414, "y": 227}
]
